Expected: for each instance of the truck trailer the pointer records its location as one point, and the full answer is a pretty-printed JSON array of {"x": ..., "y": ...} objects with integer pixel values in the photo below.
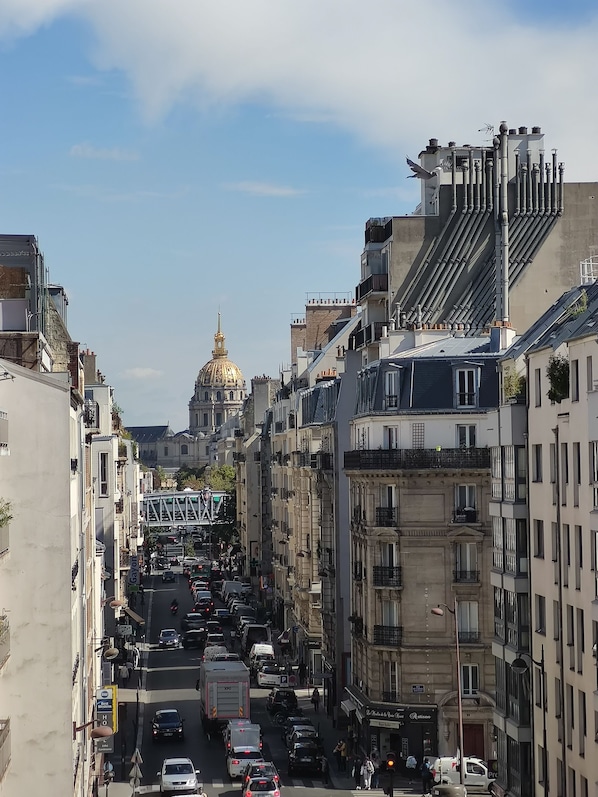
[{"x": 224, "y": 694}]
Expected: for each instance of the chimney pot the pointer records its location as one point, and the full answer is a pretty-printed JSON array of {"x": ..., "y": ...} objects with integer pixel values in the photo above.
[
  {"x": 523, "y": 131},
  {"x": 536, "y": 131}
]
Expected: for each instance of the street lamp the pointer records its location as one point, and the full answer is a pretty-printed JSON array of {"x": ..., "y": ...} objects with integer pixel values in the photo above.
[
  {"x": 101, "y": 732},
  {"x": 520, "y": 666},
  {"x": 439, "y": 611}
]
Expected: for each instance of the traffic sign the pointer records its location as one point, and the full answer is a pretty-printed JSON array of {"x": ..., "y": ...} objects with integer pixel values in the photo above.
[
  {"x": 135, "y": 773},
  {"x": 136, "y": 757}
]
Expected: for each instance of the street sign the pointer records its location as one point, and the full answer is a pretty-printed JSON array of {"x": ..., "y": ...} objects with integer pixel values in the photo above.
[
  {"x": 135, "y": 773},
  {"x": 136, "y": 757}
]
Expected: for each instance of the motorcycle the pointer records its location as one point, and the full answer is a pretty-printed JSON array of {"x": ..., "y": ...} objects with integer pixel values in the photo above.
[{"x": 174, "y": 607}]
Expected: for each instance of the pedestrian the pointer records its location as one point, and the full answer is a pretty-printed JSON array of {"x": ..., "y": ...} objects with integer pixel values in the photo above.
[
  {"x": 315, "y": 699},
  {"x": 350, "y": 739},
  {"x": 411, "y": 766},
  {"x": 427, "y": 777},
  {"x": 302, "y": 672},
  {"x": 337, "y": 754},
  {"x": 375, "y": 759},
  {"x": 130, "y": 667},
  {"x": 356, "y": 771},
  {"x": 123, "y": 674},
  {"x": 324, "y": 767},
  {"x": 367, "y": 770},
  {"x": 201, "y": 792},
  {"x": 142, "y": 594},
  {"x": 344, "y": 752}
]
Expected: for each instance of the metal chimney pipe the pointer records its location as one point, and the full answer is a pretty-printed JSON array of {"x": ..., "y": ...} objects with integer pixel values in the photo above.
[
  {"x": 541, "y": 192},
  {"x": 517, "y": 183},
  {"x": 504, "y": 220}
]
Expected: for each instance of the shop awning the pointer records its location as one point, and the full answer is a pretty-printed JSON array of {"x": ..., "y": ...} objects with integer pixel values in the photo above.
[
  {"x": 133, "y": 615},
  {"x": 348, "y": 706}
]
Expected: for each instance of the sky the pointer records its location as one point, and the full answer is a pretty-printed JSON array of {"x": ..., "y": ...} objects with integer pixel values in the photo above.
[{"x": 179, "y": 158}]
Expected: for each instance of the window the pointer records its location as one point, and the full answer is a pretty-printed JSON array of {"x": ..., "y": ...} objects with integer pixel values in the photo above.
[
  {"x": 205, "y": 396},
  {"x": 578, "y": 542},
  {"x": 391, "y": 388},
  {"x": 218, "y": 419},
  {"x": 570, "y": 713},
  {"x": 390, "y": 681},
  {"x": 417, "y": 435},
  {"x": 537, "y": 463},
  {"x": 184, "y": 449},
  {"x": 231, "y": 396},
  {"x": 466, "y": 561},
  {"x": 218, "y": 395},
  {"x": 390, "y": 613},
  {"x": 574, "y": 380},
  {"x": 538, "y": 387},
  {"x": 566, "y": 553},
  {"x": 539, "y": 539},
  {"x": 205, "y": 419},
  {"x": 465, "y": 435},
  {"x": 165, "y": 451},
  {"x": 389, "y": 554},
  {"x": 589, "y": 374},
  {"x": 576, "y": 473},
  {"x": 564, "y": 472},
  {"x": 467, "y": 621},
  {"x": 594, "y": 472},
  {"x": 553, "y": 471},
  {"x": 391, "y": 437},
  {"x": 103, "y": 474},
  {"x": 465, "y": 496},
  {"x": 466, "y": 387},
  {"x": 469, "y": 680},
  {"x": 540, "y": 612}
]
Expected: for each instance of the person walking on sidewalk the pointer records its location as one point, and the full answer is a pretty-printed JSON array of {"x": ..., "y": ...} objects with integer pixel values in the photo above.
[
  {"x": 411, "y": 766},
  {"x": 356, "y": 771},
  {"x": 427, "y": 777},
  {"x": 315, "y": 699},
  {"x": 375, "y": 759},
  {"x": 337, "y": 754},
  {"x": 123, "y": 674},
  {"x": 325, "y": 769},
  {"x": 367, "y": 770}
]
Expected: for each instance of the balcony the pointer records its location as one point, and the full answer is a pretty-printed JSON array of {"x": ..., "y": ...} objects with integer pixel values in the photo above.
[
  {"x": 124, "y": 559},
  {"x": 388, "y": 635},
  {"x": 4, "y": 746},
  {"x": 386, "y": 516},
  {"x": 4, "y": 640},
  {"x": 469, "y": 637},
  {"x": 321, "y": 460},
  {"x": 238, "y": 456},
  {"x": 387, "y": 576},
  {"x": 466, "y": 576},
  {"x": 418, "y": 458},
  {"x": 375, "y": 283},
  {"x": 465, "y": 516},
  {"x": 368, "y": 334}
]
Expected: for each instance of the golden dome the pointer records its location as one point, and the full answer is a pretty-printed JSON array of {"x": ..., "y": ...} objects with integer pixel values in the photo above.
[{"x": 220, "y": 371}]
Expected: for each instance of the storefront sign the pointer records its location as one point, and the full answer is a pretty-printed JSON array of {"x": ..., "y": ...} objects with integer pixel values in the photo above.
[{"x": 400, "y": 713}]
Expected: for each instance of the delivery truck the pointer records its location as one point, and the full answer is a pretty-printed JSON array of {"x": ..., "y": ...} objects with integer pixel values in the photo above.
[{"x": 223, "y": 694}]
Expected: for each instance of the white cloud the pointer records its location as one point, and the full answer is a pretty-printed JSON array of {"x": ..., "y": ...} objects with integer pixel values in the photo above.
[
  {"x": 141, "y": 374},
  {"x": 99, "y": 153},
  {"x": 263, "y": 189},
  {"x": 389, "y": 73}
]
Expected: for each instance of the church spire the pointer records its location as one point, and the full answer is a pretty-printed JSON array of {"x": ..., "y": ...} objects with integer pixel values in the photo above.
[{"x": 219, "y": 350}]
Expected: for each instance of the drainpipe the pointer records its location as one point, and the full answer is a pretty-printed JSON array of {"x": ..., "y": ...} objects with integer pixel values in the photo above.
[{"x": 561, "y": 566}]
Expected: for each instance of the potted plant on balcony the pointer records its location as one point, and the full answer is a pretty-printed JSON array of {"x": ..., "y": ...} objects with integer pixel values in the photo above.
[{"x": 557, "y": 371}]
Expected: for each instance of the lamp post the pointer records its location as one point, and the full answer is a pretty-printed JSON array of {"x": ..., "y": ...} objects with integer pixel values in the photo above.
[
  {"x": 520, "y": 666},
  {"x": 439, "y": 611}
]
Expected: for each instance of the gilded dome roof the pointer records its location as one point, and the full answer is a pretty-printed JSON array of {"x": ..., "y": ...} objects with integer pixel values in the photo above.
[{"x": 220, "y": 371}]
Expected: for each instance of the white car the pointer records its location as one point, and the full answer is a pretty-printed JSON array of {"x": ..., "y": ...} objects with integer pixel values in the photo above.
[
  {"x": 178, "y": 776},
  {"x": 270, "y": 675},
  {"x": 239, "y": 757}
]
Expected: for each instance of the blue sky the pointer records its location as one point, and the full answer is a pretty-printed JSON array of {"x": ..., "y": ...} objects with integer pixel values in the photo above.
[{"x": 176, "y": 157}]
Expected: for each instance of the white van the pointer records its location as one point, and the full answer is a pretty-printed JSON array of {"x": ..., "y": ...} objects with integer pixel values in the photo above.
[
  {"x": 213, "y": 651},
  {"x": 260, "y": 652},
  {"x": 478, "y": 775}
]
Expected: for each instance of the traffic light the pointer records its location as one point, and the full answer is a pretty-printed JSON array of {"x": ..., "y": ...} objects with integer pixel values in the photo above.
[{"x": 391, "y": 762}]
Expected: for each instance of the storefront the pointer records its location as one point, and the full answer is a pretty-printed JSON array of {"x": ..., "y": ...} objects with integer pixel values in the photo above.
[{"x": 401, "y": 729}]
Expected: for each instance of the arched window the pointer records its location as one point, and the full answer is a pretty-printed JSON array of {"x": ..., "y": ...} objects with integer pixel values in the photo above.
[
  {"x": 184, "y": 450},
  {"x": 218, "y": 419},
  {"x": 231, "y": 396},
  {"x": 205, "y": 419},
  {"x": 218, "y": 396},
  {"x": 205, "y": 396}
]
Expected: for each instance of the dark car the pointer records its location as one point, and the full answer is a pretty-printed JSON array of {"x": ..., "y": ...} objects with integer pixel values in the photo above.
[
  {"x": 167, "y": 724},
  {"x": 304, "y": 734},
  {"x": 169, "y": 638},
  {"x": 214, "y": 627},
  {"x": 291, "y": 722},
  {"x": 204, "y": 607},
  {"x": 193, "y": 620},
  {"x": 305, "y": 756},
  {"x": 222, "y": 614},
  {"x": 281, "y": 700},
  {"x": 194, "y": 638},
  {"x": 168, "y": 575},
  {"x": 215, "y": 587},
  {"x": 260, "y": 770}
]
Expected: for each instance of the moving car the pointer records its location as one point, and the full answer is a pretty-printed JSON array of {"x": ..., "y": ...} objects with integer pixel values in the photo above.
[
  {"x": 167, "y": 724},
  {"x": 294, "y": 722},
  {"x": 265, "y": 769},
  {"x": 264, "y": 787},
  {"x": 281, "y": 699},
  {"x": 169, "y": 638},
  {"x": 268, "y": 674},
  {"x": 178, "y": 776},
  {"x": 193, "y": 620},
  {"x": 238, "y": 758},
  {"x": 305, "y": 756},
  {"x": 222, "y": 614},
  {"x": 478, "y": 775},
  {"x": 168, "y": 576},
  {"x": 303, "y": 734},
  {"x": 194, "y": 638},
  {"x": 215, "y": 639}
]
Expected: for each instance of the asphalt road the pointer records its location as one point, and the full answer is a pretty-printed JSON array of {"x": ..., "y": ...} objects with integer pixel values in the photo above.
[{"x": 170, "y": 683}]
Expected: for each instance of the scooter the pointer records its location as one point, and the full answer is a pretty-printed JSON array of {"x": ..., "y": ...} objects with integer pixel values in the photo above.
[{"x": 174, "y": 608}]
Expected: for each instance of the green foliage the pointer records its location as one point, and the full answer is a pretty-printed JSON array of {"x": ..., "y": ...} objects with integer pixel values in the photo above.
[
  {"x": 558, "y": 376},
  {"x": 5, "y": 515},
  {"x": 580, "y": 306},
  {"x": 513, "y": 384}
]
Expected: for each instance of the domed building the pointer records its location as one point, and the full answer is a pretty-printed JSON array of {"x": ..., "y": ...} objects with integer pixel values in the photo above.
[{"x": 219, "y": 391}]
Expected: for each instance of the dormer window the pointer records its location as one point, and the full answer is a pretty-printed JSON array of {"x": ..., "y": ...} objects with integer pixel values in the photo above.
[
  {"x": 466, "y": 387},
  {"x": 391, "y": 388}
]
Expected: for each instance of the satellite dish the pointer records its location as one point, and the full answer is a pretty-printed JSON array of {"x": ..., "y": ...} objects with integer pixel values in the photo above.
[{"x": 111, "y": 653}]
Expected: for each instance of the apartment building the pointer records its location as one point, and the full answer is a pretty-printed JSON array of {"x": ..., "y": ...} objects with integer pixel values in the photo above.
[{"x": 419, "y": 476}]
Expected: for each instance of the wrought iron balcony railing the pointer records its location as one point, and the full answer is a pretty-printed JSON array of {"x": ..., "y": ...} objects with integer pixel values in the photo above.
[
  {"x": 466, "y": 576},
  {"x": 386, "y": 516},
  {"x": 469, "y": 637},
  {"x": 389, "y": 635},
  {"x": 387, "y": 576},
  {"x": 414, "y": 458}
]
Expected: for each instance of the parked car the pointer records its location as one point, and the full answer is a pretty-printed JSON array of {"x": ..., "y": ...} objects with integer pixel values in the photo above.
[
  {"x": 194, "y": 638},
  {"x": 305, "y": 757},
  {"x": 169, "y": 638},
  {"x": 168, "y": 576},
  {"x": 281, "y": 699},
  {"x": 238, "y": 758},
  {"x": 178, "y": 776},
  {"x": 266, "y": 769},
  {"x": 264, "y": 787},
  {"x": 167, "y": 724},
  {"x": 303, "y": 734},
  {"x": 290, "y": 722}
]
